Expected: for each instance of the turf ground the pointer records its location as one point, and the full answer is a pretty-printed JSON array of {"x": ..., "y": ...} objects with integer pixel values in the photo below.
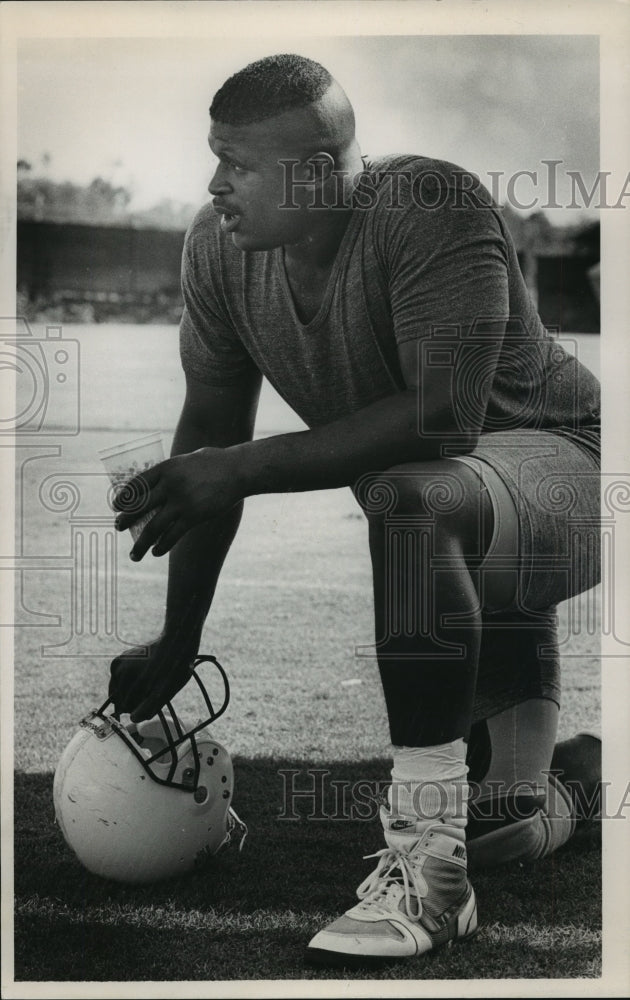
[{"x": 293, "y": 606}]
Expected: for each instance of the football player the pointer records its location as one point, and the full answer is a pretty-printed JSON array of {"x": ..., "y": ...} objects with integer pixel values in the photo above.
[{"x": 384, "y": 301}]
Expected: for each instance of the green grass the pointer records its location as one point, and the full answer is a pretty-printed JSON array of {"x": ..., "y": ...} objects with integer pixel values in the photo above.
[{"x": 248, "y": 915}]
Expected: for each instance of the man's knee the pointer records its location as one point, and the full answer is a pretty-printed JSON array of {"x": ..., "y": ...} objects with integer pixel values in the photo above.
[{"x": 439, "y": 490}]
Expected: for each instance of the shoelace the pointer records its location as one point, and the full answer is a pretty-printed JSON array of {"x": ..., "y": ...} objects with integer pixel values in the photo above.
[{"x": 378, "y": 885}]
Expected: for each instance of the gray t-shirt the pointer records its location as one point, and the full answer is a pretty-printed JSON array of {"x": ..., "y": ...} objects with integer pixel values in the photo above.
[{"x": 424, "y": 258}]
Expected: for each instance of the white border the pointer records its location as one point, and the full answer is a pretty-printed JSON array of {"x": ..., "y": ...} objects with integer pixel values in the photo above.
[{"x": 273, "y": 19}]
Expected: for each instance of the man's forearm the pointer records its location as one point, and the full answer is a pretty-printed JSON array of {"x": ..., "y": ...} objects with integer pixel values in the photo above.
[
  {"x": 193, "y": 572},
  {"x": 196, "y": 561},
  {"x": 377, "y": 437}
]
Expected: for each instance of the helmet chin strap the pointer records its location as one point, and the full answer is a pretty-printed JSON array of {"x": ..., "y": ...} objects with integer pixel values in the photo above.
[{"x": 236, "y": 824}]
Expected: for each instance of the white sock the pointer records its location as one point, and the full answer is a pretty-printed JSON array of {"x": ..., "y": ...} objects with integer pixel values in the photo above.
[{"x": 429, "y": 783}]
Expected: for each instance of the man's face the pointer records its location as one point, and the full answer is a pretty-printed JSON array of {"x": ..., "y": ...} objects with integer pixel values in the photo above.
[{"x": 248, "y": 186}]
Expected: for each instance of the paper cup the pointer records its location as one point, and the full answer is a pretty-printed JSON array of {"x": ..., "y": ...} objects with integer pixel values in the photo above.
[{"x": 125, "y": 461}]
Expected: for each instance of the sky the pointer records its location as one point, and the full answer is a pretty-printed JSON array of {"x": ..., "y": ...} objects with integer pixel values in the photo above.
[{"x": 135, "y": 110}]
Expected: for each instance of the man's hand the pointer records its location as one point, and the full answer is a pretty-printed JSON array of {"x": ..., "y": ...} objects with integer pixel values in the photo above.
[
  {"x": 144, "y": 678},
  {"x": 184, "y": 491}
]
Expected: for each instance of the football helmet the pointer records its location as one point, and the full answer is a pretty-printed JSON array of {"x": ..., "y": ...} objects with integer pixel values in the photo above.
[{"x": 145, "y": 802}]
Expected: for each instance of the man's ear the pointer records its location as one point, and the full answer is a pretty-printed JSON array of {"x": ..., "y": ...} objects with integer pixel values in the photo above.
[{"x": 320, "y": 167}]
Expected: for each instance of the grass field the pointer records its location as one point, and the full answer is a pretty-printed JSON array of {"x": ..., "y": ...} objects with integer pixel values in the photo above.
[{"x": 293, "y": 605}]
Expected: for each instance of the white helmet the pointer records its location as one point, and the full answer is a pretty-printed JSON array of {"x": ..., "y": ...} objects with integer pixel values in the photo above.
[{"x": 147, "y": 802}]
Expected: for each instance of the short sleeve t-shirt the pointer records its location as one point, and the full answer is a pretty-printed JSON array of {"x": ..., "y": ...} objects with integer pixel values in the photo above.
[{"x": 426, "y": 257}]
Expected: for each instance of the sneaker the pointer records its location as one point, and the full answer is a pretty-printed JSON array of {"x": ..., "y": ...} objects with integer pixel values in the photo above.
[{"x": 418, "y": 899}]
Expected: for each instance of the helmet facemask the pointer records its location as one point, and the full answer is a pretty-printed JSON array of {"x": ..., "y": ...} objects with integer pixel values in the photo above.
[{"x": 144, "y": 802}]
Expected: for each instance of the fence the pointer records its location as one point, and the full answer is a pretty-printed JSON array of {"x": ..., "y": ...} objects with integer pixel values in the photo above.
[{"x": 122, "y": 269}]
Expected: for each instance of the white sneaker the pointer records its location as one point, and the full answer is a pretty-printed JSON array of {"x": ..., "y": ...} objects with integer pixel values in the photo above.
[{"x": 418, "y": 899}]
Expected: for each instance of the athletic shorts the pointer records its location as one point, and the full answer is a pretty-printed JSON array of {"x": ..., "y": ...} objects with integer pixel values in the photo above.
[{"x": 545, "y": 491}]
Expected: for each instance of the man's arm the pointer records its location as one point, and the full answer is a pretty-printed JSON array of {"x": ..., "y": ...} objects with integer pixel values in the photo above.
[
  {"x": 409, "y": 426},
  {"x": 217, "y": 417},
  {"x": 144, "y": 678}
]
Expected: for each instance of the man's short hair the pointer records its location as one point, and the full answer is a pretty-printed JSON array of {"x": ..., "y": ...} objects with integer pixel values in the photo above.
[{"x": 268, "y": 87}]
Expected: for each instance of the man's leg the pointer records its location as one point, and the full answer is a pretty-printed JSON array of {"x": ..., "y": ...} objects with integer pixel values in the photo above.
[
  {"x": 525, "y": 797},
  {"x": 416, "y": 620},
  {"x": 428, "y": 528},
  {"x": 528, "y": 794},
  {"x": 518, "y": 810}
]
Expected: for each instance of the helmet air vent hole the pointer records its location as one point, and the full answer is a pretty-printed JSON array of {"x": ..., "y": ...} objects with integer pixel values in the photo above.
[
  {"x": 226, "y": 794},
  {"x": 201, "y": 794},
  {"x": 224, "y": 779},
  {"x": 215, "y": 751}
]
